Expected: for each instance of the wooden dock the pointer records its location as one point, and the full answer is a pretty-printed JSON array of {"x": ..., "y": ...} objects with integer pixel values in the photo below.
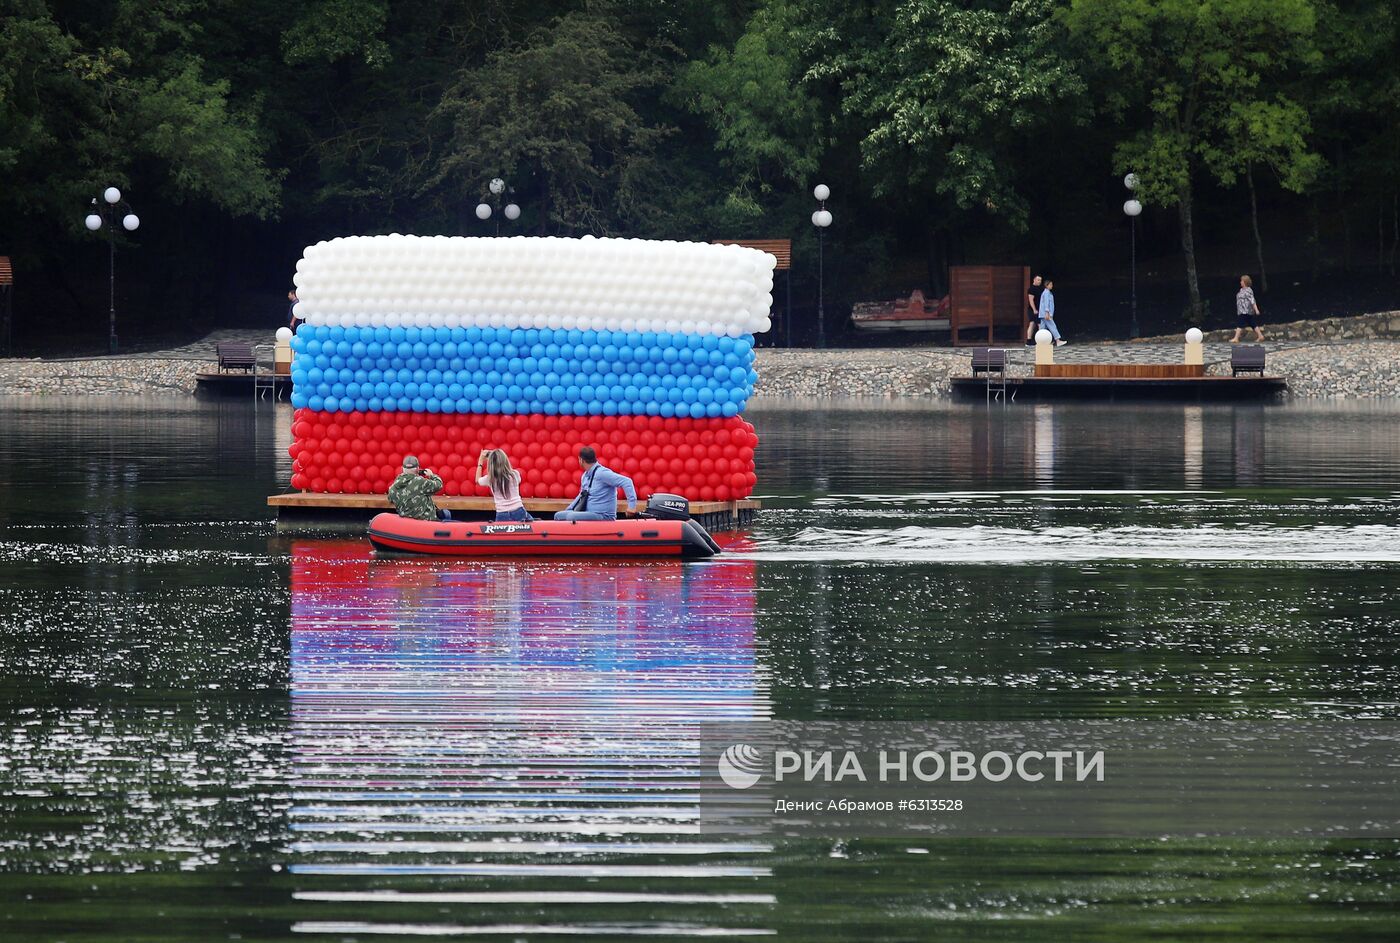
[
  {"x": 1115, "y": 383},
  {"x": 240, "y": 384},
  {"x": 308, "y": 512}
]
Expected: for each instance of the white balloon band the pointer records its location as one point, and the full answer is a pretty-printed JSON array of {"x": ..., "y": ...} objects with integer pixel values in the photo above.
[{"x": 536, "y": 282}]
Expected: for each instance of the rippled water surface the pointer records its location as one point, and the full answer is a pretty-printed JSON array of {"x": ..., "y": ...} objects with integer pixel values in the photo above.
[{"x": 214, "y": 732}]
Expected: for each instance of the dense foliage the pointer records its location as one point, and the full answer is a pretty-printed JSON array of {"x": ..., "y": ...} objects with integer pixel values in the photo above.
[{"x": 949, "y": 130}]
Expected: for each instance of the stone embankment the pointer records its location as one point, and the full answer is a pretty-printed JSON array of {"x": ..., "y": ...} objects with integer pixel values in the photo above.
[
  {"x": 1338, "y": 357},
  {"x": 100, "y": 376}
]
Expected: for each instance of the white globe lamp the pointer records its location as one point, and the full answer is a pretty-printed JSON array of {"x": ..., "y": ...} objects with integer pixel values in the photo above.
[
  {"x": 1132, "y": 208},
  {"x": 483, "y": 211},
  {"x": 112, "y": 195},
  {"x": 822, "y": 192},
  {"x": 130, "y": 221},
  {"x": 512, "y": 211},
  {"x": 93, "y": 222}
]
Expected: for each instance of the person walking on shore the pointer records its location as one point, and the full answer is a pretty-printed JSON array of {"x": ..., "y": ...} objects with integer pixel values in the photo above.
[
  {"x": 1033, "y": 312},
  {"x": 1246, "y": 310},
  {"x": 504, "y": 483},
  {"x": 1047, "y": 313}
]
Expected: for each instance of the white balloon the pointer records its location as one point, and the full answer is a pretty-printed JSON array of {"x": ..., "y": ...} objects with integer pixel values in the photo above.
[{"x": 283, "y": 335}]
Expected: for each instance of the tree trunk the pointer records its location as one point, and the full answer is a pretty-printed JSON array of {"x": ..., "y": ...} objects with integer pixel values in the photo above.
[
  {"x": 1395, "y": 228},
  {"x": 1315, "y": 213},
  {"x": 1195, "y": 313},
  {"x": 1258, "y": 239}
]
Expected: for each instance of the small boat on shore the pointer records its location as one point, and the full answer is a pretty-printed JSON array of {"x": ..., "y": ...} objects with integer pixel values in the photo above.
[{"x": 678, "y": 536}]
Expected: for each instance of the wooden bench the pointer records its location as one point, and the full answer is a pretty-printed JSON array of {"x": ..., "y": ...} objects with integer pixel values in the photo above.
[
  {"x": 988, "y": 360},
  {"x": 1247, "y": 358},
  {"x": 235, "y": 356}
]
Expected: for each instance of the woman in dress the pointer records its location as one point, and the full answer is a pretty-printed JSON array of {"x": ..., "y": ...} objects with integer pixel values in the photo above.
[{"x": 1246, "y": 310}]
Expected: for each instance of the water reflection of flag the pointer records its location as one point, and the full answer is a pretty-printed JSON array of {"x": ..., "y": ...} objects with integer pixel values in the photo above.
[{"x": 504, "y": 740}]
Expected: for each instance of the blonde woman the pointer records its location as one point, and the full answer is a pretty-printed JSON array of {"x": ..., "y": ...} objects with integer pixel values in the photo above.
[
  {"x": 493, "y": 471},
  {"x": 1246, "y": 310}
]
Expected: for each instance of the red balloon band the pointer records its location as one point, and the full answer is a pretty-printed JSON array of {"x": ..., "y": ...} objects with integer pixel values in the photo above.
[{"x": 361, "y": 453}]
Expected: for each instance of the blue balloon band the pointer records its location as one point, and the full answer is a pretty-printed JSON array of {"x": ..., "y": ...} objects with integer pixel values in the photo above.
[{"x": 509, "y": 371}]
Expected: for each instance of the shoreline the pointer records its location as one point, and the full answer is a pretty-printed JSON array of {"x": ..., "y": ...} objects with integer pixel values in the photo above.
[{"x": 1341, "y": 358}]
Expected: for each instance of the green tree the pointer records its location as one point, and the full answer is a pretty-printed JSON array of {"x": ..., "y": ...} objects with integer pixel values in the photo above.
[
  {"x": 767, "y": 122},
  {"x": 945, "y": 92},
  {"x": 559, "y": 114},
  {"x": 1195, "y": 79},
  {"x": 77, "y": 110}
]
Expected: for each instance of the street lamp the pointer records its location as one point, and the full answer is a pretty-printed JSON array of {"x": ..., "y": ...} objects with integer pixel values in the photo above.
[
  {"x": 498, "y": 187},
  {"x": 110, "y": 211},
  {"x": 1132, "y": 208},
  {"x": 821, "y": 219}
]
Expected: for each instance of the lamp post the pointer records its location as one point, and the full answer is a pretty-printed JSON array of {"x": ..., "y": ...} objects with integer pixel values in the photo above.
[
  {"x": 109, "y": 211},
  {"x": 1132, "y": 208},
  {"x": 498, "y": 187},
  {"x": 821, "y": 219}
]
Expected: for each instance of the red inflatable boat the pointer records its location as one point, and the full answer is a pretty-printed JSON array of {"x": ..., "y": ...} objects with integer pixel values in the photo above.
[{"x": 623, "y": 538}]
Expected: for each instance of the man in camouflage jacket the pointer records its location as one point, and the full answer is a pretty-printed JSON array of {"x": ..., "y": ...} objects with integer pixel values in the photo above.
[{"x": 412, "y": 492}]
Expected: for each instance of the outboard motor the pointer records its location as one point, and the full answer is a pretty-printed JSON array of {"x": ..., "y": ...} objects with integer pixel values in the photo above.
[
  {"x": 673, "y": 507},
  {"x": 668, "y": 507}
]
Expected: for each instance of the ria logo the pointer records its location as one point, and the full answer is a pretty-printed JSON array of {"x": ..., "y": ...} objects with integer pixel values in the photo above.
[{"x": 740, "y": 766}]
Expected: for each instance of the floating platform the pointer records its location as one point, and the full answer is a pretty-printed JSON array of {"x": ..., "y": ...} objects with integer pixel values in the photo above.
[
  {"x": 241, "y": 384},
  {"x": 309, "y": 512},
  {"x": 1111, "y": 388}
]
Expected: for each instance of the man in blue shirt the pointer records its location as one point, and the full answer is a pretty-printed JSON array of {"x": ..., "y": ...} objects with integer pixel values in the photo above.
[
  {"x": 597, "y": 493},
  {"x": 1047, "y": 313}
]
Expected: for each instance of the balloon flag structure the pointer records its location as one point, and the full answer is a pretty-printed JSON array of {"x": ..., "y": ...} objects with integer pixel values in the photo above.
[{"x": 442, "y": 346}]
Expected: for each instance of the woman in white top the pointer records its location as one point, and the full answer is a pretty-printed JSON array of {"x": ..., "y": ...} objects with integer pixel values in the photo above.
[{"x": 504, "y": 483}]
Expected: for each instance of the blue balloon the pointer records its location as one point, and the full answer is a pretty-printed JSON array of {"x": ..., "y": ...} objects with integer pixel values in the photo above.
[
  {"x": 610, "y": 408},
  {"x": 478, "y": 405},
  {"x": 317, "y": 403},
  {"x": 729, "y": 409},
  {"x": 473, "y": 335},
  {"x": 299, "y": 399},
  {"x": 668, "y": 410},
  {"x": 493, "y": 405},
  {"x": 381, "y": 390}
]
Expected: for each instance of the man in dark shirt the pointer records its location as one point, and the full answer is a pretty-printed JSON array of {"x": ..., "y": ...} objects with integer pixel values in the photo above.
[{"x": 1033, "y": 313}]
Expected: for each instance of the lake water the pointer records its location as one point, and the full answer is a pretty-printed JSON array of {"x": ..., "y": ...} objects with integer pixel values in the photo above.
[{"x": 214, "y": 732}]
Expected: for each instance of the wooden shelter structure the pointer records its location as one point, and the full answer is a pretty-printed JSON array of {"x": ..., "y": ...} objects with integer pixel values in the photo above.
[
  {"x": 780, "y": 249},
  {"x": 987, "y": 299},
  {"x": 7, "y": 290}
]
